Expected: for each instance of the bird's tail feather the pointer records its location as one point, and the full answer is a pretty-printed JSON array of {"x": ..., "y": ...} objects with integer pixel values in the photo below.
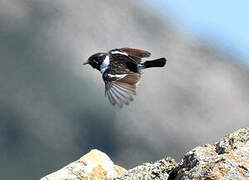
[{"x": 153, "y": 63}]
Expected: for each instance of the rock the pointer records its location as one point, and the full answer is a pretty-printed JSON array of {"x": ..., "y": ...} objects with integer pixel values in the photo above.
[
  {"x": 95, "y": 165},
  {"x": 226, "y": 159},
  {"x": 160, "y": 170}
]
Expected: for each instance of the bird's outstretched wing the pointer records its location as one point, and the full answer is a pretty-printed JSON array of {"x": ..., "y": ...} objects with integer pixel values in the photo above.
[
  {"x": 120, "y": 88},
  {"x": 136, "y": 54},
  {"x": 130, "y": 54}
]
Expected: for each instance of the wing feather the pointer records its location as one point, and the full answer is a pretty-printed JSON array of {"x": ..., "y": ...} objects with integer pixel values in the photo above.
[
  {"x": 116, "y": 98},
  {"x": 136, "y": 54},
  {"x": 120, "y": 93},
  {"x": 110, "y": 97},
  {"x": 131, "y": 54},
  {"x": 124, "y": 92},
  {"x": 121, "y": 88},
  {"x": 122, "y": 97},
  {"x": 127, "y": 87},
  {"x": 125, "y": 97},
  {"x": 131, "y": 79}
]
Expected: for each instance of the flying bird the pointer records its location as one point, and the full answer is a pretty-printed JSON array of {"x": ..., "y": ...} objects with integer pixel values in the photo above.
[{"x": 121, "y": 71}]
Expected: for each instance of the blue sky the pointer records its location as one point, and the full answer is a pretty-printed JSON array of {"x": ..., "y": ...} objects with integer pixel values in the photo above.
[{"x": 224, "y": 23}]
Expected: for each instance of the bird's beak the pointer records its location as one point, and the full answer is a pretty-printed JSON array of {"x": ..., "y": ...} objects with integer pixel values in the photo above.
[{"x": 85, "y": 63}]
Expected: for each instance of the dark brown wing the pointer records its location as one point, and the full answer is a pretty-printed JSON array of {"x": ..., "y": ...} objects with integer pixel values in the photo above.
[
  {"x": 121, "y": 91},
  {"x": 131, "y": 79},
  {"x": 136, "y": 54},
  {"x": 122, "y": 63}
]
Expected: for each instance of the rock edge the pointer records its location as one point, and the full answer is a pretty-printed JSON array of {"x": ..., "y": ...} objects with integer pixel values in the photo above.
[{"x": 225, "y": 159}]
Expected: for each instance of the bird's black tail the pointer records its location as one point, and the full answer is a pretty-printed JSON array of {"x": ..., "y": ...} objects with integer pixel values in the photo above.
[{"x": 154, "y": 63}]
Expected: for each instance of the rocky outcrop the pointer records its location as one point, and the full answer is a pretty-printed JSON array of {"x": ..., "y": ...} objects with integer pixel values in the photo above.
[
  {"x": 226, "y": 159},
  {"x": 95, "y": 165}
]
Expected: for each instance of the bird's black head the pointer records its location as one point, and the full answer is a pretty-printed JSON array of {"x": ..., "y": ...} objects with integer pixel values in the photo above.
[{"x": 96, "y": 60}]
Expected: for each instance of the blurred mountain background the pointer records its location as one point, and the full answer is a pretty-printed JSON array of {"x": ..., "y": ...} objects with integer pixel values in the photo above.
[{"x": 53, "y": 109}]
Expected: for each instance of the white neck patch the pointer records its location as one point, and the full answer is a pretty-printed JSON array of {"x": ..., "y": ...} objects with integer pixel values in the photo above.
[{"x": 105, "y": 64}]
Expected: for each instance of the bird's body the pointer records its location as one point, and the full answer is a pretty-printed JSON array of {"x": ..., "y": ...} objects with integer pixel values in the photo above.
[{"x": 121, "y": 72}]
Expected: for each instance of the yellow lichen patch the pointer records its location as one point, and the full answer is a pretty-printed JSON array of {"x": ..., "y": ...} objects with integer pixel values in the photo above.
[
  {"x": 120, "y": 169},
  {"x": 242, "y": 164},
  {"x": 80, "y": 178},
  {"x": 98, "y": 173},
  {"x": 242, "y": 172},
  {"x": 237, "y": 159},
  {"x": 219, "y": 172}
]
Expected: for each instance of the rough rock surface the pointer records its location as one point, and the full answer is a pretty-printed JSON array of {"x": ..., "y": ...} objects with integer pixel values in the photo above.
[
  {"x": 226, "y": 159},
  {"x": 161, "y": 169},
  {"x": 95, "y": 165}
]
